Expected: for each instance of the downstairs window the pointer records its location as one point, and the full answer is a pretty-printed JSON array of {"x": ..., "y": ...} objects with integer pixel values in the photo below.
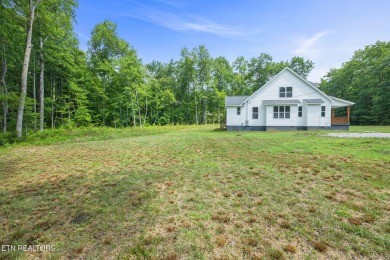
[{"x": 282, "y": 112}]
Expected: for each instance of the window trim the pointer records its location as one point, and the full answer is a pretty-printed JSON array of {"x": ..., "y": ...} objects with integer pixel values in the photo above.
[
  {"x": 289, "y": 92},
  {"x": 279, "y": 114},
  {"x": 286, "y": 92},
  {"x": 300, "y": 111},
  {"x": 323, "y": 111},
  {"x": 255, "y": 113},
  {"x": 282, "y": 93}
]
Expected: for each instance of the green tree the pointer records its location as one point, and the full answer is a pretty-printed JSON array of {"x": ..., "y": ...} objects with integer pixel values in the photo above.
[
  {"x": 365, "y": 80},
  {"x": 104, "y": 50}
]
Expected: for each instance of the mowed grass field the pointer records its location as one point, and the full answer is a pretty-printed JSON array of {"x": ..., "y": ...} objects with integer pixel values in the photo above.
[{"x": 198, "y": 193}]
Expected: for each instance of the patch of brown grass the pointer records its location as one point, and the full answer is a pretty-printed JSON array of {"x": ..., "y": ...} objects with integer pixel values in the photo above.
[
  {"x": 320, "y": 246},
  {"x": 221, "y": 217},
  {"x": 170, "y": 228},
  {"x": 251, "y": 241},
  {"x": 148, "y": 240},
  {"x": 330, "y": 195},
  {"x": 108, "y": 240},
  {"x": 290, "y": 248},
  {"x": 252, "y": 220},
  {"x": 186, "y": 224},
  {"x": 238, "y": 225},
  {"x": 276, "y": 254},
  {"x": 220, "y": 241},
  {"x": 355, "y": 221},
  {"x": 78, "y": 250},
  {"x": 285, "y": 224},
  {"x": 368, "y": 219},
  {"x": 220, "y": 229},
  {"x": 170, "y": 256}
]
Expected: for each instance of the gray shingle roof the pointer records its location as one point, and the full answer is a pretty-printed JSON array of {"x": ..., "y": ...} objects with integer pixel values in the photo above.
[
  {"x": 234, "y": 100},
  {"x": 281, "y": 102},
  {"x": 314, "y": 101},
  {"x": 315, "y": 84}
]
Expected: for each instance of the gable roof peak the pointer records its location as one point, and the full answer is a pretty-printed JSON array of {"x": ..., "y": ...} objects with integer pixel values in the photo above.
[{"x": 296, "y": 75}]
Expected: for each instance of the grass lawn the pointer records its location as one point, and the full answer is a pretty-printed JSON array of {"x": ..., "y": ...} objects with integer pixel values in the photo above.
[{"x": 197, "y": 193}]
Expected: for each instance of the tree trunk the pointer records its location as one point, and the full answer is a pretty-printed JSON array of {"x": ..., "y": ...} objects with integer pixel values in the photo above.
[
  {"x": 139, "y": 110},
  {"x": 35, "y": 99},
  {"x": 205, "y": 112},
  {"x": 53, "y": 92},
  {"x": 127, "y": 116},
  {"x": 132, "y": 107},
  {"x": 4, "y": 90},
  {"x": 26, "y": 62},
  {"x": 196, "y": 111},
  {"x": 146, "y": 110},
  {"x": 41, "y": 86},
  {"x": 219, "y": 121},
  {"x": 104, "y": 101}
]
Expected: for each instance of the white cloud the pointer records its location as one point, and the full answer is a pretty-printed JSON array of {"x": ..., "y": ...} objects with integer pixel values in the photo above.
[
  {"x": 310, "y": 46},
  {"x": 183, "y": 22}
]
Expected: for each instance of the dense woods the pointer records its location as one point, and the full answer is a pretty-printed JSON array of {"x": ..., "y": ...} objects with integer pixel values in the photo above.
[
  {"x": 365, "y": 80},
  {"x": 48, "y": 82}
]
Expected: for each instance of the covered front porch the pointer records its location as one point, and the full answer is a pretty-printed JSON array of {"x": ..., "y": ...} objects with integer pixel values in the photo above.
[
  {"x": 341, "y": 114},
  {"x": 340, "y": 120}
]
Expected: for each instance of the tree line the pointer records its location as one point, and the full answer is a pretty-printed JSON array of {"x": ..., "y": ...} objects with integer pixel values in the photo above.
[
  {"x": 48, "y": 82},
  {"x": 365, "y": 80}
]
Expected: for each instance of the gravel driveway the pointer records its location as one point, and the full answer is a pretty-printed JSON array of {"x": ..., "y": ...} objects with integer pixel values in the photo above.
[{"x": 360, "y": 135}]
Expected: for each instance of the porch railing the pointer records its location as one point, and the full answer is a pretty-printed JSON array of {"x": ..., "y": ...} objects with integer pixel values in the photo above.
[{"x": 340, "y": 120}]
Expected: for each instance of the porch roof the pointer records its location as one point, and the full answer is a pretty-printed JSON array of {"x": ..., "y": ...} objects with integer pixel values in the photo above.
[
  {"x": 234, "y": 101},
  {"x": 281, "y": 102},
  {"x": 314, "y": 101},
  {"x": 338, "y": 102}
]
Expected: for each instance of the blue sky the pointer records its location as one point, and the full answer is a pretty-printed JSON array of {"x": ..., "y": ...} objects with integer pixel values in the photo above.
[{"x": 326, "y": 32}]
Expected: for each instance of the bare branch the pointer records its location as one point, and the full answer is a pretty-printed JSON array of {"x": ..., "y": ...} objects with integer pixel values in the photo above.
[{"x": 46, "y": 38}]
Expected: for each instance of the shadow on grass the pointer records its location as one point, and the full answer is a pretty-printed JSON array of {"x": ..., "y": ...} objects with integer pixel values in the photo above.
[{"x": 75, "y": 210}]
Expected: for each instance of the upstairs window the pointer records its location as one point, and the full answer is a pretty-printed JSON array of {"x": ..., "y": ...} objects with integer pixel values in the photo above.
[
  {"x": 282, "y": 112},
  {"x": 285, "y": 92},
  {"x": 323, "y": 109},
  {"x": 255, "y": 112},
  {"x": 300, "y": 111},
  {"x": 238, "y": 111}
]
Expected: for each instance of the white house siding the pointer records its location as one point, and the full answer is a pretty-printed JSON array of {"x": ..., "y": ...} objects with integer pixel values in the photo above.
[
  {"x": 311, "y": 114},
  {"x": 271, "y": 92},
  {"x": 232, "y": 118},
  {"x": 326, "y": 121},
  {"x": 301, "y": 121},
  {"x": 300, "y": 89},
  {"x": 261, "y": 118},
  {"x": 292, "y": 121}
]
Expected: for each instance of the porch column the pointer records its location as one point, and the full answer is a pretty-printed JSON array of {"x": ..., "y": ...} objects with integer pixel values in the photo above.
[
  {"x": 348, "y": 112},
  {"x": 332, "y": 119}
]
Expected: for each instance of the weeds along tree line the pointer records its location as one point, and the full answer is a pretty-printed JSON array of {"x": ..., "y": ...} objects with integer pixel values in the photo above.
[{"x": 48, "y": 82}]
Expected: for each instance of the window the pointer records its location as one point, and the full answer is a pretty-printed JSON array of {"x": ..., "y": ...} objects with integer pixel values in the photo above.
[
  {"x": 255, "y": 112},
  {"x": 285, "y": 91},
  {"x": 281, "y": 111},
  {"x": 300, "y": 111},
  {"x": 238, "y": 111},
  {"x": 289, "y": 92},
  {"x": 282, "y": 92},
  {"x": 323, "y": 111}
]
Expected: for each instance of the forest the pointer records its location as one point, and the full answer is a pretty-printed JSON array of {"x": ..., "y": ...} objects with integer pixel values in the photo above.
[{"x": 48, "y": 82}]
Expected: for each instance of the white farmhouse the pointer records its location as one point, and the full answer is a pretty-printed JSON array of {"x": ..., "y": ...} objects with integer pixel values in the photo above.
[{"x": 286, "y": 102}]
